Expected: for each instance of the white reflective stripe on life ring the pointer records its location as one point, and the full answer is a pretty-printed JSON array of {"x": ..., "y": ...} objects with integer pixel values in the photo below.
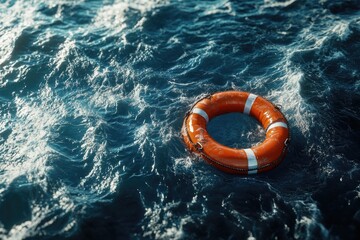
[
  {"x": 277, "y": 124},
  {"x": 249, "y": 102},
  {"x": 252, "y": 161},
  {"x": 201, "y": 113}
]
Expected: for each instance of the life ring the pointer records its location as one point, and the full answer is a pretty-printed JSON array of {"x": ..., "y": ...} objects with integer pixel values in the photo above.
[{"x": 259, "y": 158}]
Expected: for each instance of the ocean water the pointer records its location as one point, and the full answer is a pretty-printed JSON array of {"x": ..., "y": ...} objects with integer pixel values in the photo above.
[{"x": 92, "y": 99}]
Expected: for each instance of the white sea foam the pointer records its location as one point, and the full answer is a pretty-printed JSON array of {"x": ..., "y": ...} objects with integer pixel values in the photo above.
[
  {"x": 288, "y": 96},
  {"x": 218, "y": 7},
  {"x": 26, "y": 153},
  {"x": 308, "y": 222},
  {"x": 137, "y": 98},
  {"x": 275, "y": 4},
  {"x": 62, "y": 202},
  {"x": 251, "y": 237},
  {"x": 160, "y": 223},
  {"x": 140, "y": 137},
  {"x": 26, "y": 150},
  {"x": 94, "y": 143},
  {"x": 183, "y": 164},
  {"x": 290, "y": 100},
  {"x": 340, "y": 29},
  {"x": 113, "y": 16},
  {"x": 316, "y": 35},
  {"x": 18, "y": 17},
  {"x": 64, "y": 52}
]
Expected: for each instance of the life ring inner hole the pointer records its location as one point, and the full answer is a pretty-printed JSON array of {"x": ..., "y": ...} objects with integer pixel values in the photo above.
[{"x": 236, "y": 130}]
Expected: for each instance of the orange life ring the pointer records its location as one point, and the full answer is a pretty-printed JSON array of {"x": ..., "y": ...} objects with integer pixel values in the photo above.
[{"x": 259, "y": 158}]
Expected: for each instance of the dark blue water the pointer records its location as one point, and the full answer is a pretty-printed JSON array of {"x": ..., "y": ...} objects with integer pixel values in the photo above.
[{"x": 92, "y": 99}]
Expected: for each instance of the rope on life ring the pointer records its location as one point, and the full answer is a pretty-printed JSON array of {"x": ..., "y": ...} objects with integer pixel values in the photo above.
[{"x": 259, "y": 158}]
